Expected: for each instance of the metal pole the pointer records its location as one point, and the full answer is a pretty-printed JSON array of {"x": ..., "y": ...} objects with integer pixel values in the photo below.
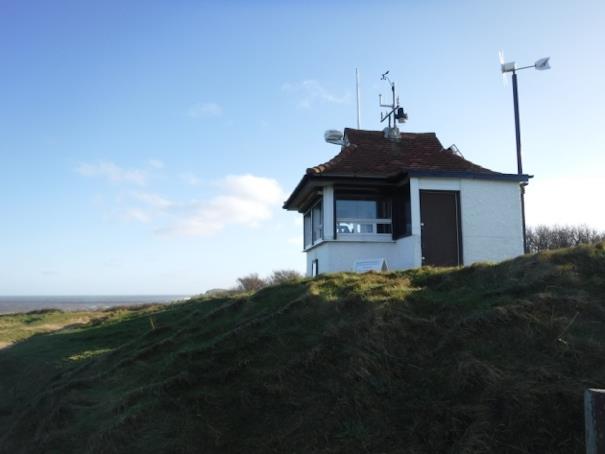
[
  {"x": 517, "y": 126},
  {"x": 525, "y": 250},
  {"x": 594, "y": 418},
  {"x": 357, "y": 90},
  {"x": 519, "y": 160}
]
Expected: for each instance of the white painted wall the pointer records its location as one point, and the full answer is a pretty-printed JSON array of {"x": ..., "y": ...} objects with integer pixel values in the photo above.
[
  {"x": 491, "y": 228},
  {"x": 334, "y": 256},
  {"x": 491, "y": 217}
]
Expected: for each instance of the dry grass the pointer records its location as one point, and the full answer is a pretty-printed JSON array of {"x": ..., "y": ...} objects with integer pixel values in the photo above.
[{"x": 18, "y": 327}]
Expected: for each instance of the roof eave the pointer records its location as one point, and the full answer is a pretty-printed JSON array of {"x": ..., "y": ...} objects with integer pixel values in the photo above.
[
  {"x": 289, "y": 204},
  {"x": 470, "y": 175}
]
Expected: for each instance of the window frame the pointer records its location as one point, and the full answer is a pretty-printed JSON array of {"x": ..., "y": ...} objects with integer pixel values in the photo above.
[
  {"x": 307, "y": 230},
  {"x": 310, "y": 213},
  {"x": 369, "y": 236},
  {"x": 317, "y": 207}
]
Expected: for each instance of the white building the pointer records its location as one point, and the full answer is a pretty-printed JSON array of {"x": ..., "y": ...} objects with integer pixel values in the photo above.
[{"x": 405, "y": 202}]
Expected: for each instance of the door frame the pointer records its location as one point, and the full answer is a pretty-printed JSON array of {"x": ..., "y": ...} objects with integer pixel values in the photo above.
[{"x": 456, "y": 194}]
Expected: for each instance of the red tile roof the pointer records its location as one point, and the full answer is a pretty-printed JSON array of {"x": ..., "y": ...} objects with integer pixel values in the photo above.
[{"x": 370, "y": 154}]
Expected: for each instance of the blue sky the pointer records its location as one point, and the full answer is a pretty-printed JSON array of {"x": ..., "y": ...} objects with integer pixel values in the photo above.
[{"x": 146, "y": 147}]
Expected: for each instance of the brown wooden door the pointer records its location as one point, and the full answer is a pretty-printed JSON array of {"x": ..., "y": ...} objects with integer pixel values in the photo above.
[{"x": 440, "y": 228}]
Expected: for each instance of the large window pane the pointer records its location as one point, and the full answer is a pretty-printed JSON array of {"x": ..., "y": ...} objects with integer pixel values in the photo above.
[
  {"x": 363, "y": 209},
  {"x": 356, "y": 209},
  {"x": 317, "y": 222},
  {"x": 307, "y": 227},
  {"x": 313, "y": 225},
  {"x": 363, "y": 216}
]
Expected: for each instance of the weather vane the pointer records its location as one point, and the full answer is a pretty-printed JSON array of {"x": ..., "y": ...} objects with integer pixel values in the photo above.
[{"x": 396, "y": 112}]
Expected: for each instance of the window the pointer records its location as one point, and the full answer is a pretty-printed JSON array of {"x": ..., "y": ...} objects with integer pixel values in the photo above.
[
  {"x": 307, "y": 229},
  {"x": 402, "y": 216},
  {"x": 314, "y": 268},
  {"x": 313, "y": 225},
  {"x": 363, "y": 216},
  {"x": 317, "y": 222}
]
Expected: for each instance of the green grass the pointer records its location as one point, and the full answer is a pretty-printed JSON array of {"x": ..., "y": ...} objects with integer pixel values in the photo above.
[
  {"x": 17, "y": 327},
  {"x": 488, "y": 358}
]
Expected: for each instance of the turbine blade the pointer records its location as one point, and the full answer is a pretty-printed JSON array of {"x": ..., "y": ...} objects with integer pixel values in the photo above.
[{"x": 501, "y": 59}]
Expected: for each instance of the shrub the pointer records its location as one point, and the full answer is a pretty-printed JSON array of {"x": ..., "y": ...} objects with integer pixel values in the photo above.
[
  {"x": 217, "y": 292},
  {"x": 250, "y": 283},
  {"x": 284, "y": 277},
  {"x": 543, "y": 237}
]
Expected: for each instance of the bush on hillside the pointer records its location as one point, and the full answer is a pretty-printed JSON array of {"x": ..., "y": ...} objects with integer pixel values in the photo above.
[
  {"x": 284, "y": 277},
  {"x": 217, "y": 292},
  {"x": 250, "y": 283},
  {"x": 544, "y": 237}
]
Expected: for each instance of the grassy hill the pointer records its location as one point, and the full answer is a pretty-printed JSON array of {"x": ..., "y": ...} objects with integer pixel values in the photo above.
[{"x": 489, "y": 358}]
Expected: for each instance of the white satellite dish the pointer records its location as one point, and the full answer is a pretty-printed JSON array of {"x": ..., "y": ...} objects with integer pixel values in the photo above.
[{"x": 334, "y": 136}]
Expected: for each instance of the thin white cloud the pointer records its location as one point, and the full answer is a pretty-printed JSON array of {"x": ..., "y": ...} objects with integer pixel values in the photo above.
[
  {"x": 190, "y": 179},
  {"x": 251, "y": 187},
  {"x": 152, "y": 200},
  {"x": 156, "y": 163},
  {"x": 205, "y": 110},
  {"x": 112, "y": 172},
  {"x": 245, "y": 200},
  {"x": 311, "y": 91},
  {"x": 148, "y": 206},
  {"x": 137, "y": 214}
]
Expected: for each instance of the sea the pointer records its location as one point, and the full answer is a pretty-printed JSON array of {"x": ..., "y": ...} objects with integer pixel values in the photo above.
[{"x": 13, "y": 304}]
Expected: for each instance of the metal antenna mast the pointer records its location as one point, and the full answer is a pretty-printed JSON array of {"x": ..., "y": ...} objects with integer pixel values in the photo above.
[
  {"x": 357, "y": 91},
  {"x": 396, "y": 112}
]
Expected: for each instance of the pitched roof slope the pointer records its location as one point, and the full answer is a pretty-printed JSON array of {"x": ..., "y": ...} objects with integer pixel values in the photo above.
[{"x": 369, "y": 153}]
